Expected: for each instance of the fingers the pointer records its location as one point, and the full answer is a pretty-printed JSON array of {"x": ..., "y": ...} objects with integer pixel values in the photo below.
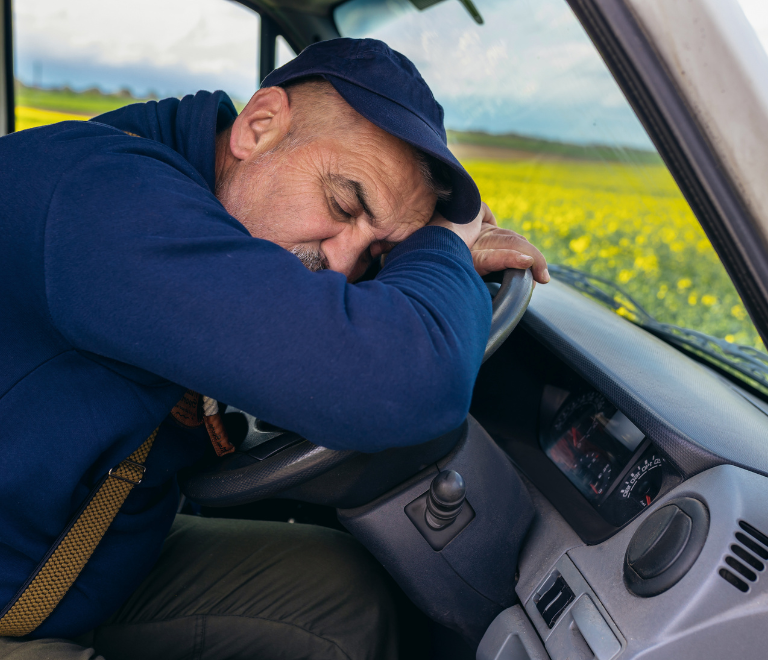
[
  {"x": 496, "y": 242},
  {"x": 491, "y": 261},
  {"x": 494, "y": 248}
]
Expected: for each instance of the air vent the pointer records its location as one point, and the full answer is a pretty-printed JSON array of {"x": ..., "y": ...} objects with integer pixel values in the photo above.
[{"x": 747, "y": 559}]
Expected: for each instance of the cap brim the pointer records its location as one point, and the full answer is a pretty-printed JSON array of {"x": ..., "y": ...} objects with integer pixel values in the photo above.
[{"x": 464, "y": 203}]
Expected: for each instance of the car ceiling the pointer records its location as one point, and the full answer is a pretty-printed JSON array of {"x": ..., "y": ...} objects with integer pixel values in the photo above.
[{"x": 301, "y": 22}]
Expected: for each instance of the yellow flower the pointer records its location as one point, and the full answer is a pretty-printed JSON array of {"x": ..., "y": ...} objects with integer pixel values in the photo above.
[
  {"x": 685, "y": 283},
  {"x": 739, "y": 312},
  {"x": 578, "y": 245},
  {"x": 647, "y": 262},
  {"x": 708, "y": 300}
]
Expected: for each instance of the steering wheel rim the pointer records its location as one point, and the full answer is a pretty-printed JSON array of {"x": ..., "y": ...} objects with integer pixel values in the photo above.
[
  {"x": 286, "y": 461},
  {"x": 509, "y": 304}
]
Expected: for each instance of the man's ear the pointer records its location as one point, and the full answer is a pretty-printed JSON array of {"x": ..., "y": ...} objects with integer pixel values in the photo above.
[{"x": 262, "y": 124}]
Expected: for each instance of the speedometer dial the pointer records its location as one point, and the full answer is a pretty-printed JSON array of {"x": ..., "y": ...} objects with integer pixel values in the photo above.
[
  {"x": 595, "y": 466},
  {"x": 643, "y": 482},
  {"x": 578, "y": 445}
]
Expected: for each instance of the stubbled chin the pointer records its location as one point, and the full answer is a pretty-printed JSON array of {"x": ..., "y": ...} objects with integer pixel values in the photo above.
[{"x": 313, "y": 260}]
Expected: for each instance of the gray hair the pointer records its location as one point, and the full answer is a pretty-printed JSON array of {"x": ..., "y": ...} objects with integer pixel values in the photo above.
[{"x": 436, "y": 175}]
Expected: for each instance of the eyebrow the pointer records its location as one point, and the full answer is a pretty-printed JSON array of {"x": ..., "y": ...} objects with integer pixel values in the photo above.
[{"x": 358, "y": 190}]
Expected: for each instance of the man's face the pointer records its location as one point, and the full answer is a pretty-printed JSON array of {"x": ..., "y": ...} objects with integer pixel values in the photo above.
[{"x": 335, "y": 201}]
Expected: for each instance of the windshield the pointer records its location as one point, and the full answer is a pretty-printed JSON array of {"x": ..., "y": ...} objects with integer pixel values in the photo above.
[
  {"x": 756, "y": 12},
  {"x": 558, "y": 154}
]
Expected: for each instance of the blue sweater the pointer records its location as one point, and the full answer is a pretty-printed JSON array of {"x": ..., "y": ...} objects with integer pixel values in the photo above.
[{"x": 123, "y": 282}]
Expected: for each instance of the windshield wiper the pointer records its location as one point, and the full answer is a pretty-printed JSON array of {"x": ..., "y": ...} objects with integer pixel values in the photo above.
[{"x": 744, "y": 360}]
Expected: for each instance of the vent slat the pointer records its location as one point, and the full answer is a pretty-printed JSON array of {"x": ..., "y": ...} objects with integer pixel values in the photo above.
[
  {"x": 737, "y": 566},
  {"x": 748, "y": 549},
  {"x": 759, "y": 550},
  {"x": 742, "y": 554},
  {"x": 732, "y": 579},
  {"x": 753, "y": 532}
]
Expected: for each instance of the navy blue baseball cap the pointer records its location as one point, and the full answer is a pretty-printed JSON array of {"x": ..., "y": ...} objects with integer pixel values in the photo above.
[{"x": 385, "y": 88}]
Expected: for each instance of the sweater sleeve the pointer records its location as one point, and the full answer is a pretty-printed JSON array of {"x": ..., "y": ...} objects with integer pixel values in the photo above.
[{"x": 144, "y": 266}]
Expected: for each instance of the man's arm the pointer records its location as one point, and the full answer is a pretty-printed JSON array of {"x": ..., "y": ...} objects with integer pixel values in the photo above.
[{"x": 145, "y": 266}]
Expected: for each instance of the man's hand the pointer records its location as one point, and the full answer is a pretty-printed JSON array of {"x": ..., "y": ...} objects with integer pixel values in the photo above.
[{"x": 494, "y": 248}]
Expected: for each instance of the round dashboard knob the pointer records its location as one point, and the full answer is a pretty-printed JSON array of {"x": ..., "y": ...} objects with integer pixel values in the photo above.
[{"x": 665, "y": 546}]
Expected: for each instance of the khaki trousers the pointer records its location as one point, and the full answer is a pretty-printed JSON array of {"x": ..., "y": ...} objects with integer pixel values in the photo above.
[{"x": 241, "y": 589}]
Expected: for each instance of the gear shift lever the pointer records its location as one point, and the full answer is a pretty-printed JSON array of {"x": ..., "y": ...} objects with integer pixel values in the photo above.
[{"x": 445, "y": 499}]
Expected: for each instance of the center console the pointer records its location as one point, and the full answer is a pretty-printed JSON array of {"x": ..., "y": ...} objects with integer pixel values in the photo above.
[{"x": 461, "y": 574}]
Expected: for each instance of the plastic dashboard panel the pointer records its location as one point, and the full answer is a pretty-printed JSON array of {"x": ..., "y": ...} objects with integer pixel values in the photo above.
[
  {"x": 698, "y": 420},
  {"x": 702, "y": 617}
]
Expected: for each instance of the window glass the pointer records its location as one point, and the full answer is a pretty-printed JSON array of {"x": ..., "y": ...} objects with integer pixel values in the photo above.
[
  {"x": 80, "y": 58},
  {"x": 539, "y": 122},
  {"x": 757, "y": 14},
  {"x": 284, "y": 53}
]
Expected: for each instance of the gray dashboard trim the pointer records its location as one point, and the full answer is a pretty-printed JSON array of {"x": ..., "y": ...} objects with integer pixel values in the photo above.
[
  {"x": 702, "y": 616},
  {"x": 689, "y": 412},
  {"x": 549, "y": 538}
]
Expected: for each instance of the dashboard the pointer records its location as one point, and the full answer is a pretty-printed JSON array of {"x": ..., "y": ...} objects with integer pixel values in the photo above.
[
  {"x": 603, "y": 454},
  {"x": 604, "y": 418},
  {"x": 613, "y": 431}
]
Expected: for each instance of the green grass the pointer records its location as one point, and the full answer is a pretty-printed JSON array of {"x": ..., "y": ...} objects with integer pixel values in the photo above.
[
  {"x": 88, "y": 103},
  {"x": 553, "y": 148}
]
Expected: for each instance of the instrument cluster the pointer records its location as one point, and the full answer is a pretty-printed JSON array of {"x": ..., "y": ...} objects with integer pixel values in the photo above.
[{"x": 606, "y": 457}]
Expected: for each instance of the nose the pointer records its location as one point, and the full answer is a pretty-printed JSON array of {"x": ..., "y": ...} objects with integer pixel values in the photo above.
[{"x": 345, "y": 251}]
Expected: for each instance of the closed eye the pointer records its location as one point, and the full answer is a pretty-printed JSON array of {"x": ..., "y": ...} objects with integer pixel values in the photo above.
[{"x": 337, "y": 209}]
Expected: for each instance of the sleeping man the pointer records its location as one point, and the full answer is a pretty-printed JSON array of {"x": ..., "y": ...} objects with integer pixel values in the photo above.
[{"x": 172, "y": 248}]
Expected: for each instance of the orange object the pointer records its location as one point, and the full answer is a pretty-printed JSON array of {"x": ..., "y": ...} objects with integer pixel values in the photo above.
[
  {"x": 218, "y": 435},
  {"x": 189, "y": 411}
]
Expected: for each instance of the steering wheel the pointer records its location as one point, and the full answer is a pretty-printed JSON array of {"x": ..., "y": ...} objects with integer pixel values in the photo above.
[{"x": 276, "y": 460}]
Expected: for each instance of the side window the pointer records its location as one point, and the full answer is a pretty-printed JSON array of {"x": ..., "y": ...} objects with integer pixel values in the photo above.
[
  {"x": 558, "y": 154},
  {"x": 80, "y": 58},
  {"x": 283, "y": 52},
  {"x": 756, "y": 12}
]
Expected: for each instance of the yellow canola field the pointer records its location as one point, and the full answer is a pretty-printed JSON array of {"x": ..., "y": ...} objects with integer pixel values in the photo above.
[
  {"x": 626, "y": 223},
  {"x": 33, "y": 117}
]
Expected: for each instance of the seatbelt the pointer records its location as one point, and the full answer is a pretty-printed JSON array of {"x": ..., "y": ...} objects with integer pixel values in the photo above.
[{"x": 69, "y": 554}]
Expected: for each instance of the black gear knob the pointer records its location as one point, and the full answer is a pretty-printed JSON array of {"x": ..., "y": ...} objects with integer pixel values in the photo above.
[{"x": 445, "y": 499}]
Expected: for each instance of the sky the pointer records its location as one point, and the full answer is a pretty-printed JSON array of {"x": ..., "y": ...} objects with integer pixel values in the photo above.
[
  {"x": 529, "y": 69},
  {"x": 188, "y": 45}
]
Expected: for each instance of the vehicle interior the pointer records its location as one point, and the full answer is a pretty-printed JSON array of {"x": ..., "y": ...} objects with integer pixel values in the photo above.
[{"x": 605, "y": 496}]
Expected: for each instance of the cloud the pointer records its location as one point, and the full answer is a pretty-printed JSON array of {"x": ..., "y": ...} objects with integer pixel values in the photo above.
[
  {"x": 757, "y": 13},
  {"x": 530, "y": 68},
  {"x": 194, "y": 43}
]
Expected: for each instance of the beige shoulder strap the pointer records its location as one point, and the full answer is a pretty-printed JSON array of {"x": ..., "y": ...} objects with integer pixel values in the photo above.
[{"x": 59, "y": 569}]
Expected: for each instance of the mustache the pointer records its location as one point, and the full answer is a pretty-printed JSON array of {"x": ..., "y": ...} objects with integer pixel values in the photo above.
[{"x": 313, "y": 260}]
